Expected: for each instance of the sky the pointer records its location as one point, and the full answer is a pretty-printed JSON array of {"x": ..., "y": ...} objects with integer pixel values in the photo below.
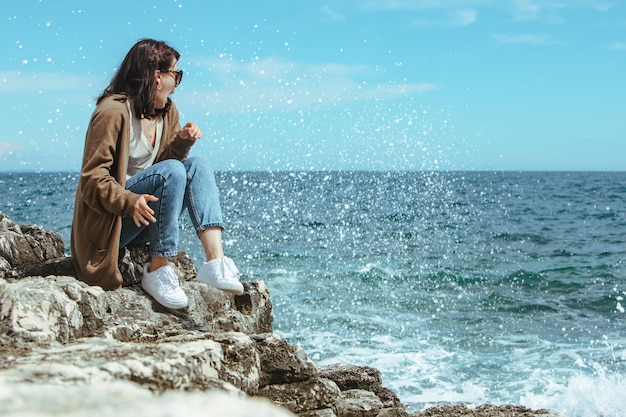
[{"x": 333, "y": 84}]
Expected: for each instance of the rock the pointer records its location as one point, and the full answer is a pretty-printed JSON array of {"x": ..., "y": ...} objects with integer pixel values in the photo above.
[
  {"x": 27, "y": 244},
  {"x": 161, "y": 367},
  {"x": 351, "y": 377},
  {"x": 64, "y": 309},
  {"x": 69, "y": 348},
  {"x": 358, "y": 403},
  {"x": 462, "y": 410},
  {"x": 240, "y": 361},
  {"x": 60, "y": 266},
  {"x": 312, "y": 394},
  {"x": 326, "y": 412},
  {"x": 41, "y": 310},
  {"x": 281, "y": 362},
  {"x": 125, "y": 399}
]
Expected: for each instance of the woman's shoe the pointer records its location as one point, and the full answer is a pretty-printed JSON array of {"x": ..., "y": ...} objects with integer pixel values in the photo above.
[
  {"x": 162, "y": 285},
  {"x": 221, "y": 274}
]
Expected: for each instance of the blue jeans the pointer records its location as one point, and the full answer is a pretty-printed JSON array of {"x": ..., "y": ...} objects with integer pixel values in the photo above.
[{"x": 178, "y": 185}]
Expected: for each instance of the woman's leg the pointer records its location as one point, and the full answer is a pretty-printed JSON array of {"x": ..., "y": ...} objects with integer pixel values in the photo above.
[
  {"x": 165, "y": 180},
  {"x": 203, "y": 204},
  {"x": 211, "y": 240}
]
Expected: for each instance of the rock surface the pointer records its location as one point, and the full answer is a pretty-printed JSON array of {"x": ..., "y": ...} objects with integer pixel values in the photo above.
[{"x": 70, "y": 349}]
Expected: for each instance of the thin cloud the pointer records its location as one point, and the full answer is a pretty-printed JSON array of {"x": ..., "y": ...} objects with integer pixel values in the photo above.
[
  {"x": 454, "y": 18},
  {"x": 409, "y": 5},
  {"x": 275, "y": 85},
  {"x": 8, "y": 147},
  {"x": 523, "y": 39},
  {"x": 37, "y": 82},
  {"x": 332, "y": 14},
  {"x": 529, "y": 9},
  {"x": 604, "y": 7},
  {"x": 464, "y": 17},
  {"x": 618, "y": 46},
  {"x": 550, "y": 11}
]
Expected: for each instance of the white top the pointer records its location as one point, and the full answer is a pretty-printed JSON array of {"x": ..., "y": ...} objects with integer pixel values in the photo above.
[{"x": 142, "y": 153}]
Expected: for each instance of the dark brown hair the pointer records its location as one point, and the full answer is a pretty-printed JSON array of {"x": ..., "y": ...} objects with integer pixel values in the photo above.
[{"x": 135, "y": 77}]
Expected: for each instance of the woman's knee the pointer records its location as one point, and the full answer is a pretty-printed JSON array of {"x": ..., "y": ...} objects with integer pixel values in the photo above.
[
  {"x": 198, "y": 166},
  {"x": 197, "y": 162},
  {"x": 174, "y": 171}
]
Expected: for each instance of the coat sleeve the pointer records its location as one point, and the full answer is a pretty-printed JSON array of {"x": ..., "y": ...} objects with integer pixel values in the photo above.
[{"x": 99, "y": 187}]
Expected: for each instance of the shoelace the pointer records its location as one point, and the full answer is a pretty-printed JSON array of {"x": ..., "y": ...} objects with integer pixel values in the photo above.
[
  {"x": 230, "y": 265},
  {"x": 224, "y": 267},
  {"x": 169, "y": 279}
]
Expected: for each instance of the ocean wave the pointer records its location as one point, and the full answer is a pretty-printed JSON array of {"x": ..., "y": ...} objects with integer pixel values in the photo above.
[{"x": 599, "y": 395}]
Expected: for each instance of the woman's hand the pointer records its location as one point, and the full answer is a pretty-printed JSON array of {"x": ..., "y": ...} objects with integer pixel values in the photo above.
[
  {"x": 142, "y": 213},
  {"x": 191, "y": 131}
]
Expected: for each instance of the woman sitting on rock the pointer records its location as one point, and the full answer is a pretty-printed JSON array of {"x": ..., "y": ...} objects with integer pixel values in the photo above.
[{"x": 136, "y": 180}]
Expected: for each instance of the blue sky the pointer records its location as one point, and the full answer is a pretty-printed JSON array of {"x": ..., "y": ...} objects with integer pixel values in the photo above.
[{"x": 334, "y": 84}]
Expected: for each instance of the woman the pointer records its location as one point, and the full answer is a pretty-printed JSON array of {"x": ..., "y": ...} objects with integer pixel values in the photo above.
[{"x": 137, "y": 178}]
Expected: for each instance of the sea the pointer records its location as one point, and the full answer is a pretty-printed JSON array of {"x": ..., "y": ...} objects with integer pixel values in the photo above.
[{"x": 460, "y": 287}]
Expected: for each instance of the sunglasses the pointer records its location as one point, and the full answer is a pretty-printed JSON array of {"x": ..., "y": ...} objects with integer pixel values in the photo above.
[{"x": 178, "y": 75}]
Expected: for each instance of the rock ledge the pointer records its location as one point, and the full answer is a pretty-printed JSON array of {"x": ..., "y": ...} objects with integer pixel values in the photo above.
[{"x": 71, "y": 349}]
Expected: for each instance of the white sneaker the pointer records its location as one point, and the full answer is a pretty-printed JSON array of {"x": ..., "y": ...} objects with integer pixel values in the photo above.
[
  {"x": 221, "y": 274},
  {"x": 162, "y": 285},
  {"x": 230, "y": 266}
]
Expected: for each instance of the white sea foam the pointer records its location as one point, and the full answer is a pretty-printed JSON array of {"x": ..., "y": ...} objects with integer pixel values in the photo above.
[
  {"x": 583, "y": 396},
  {"x": 425, "y": 376}
]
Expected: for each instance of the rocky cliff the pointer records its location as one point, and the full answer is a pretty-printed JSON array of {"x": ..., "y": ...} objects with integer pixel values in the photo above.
[{"x": 70, "y": 349}]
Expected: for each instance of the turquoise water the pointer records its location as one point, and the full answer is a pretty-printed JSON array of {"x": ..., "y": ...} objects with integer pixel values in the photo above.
[{"x": 480, "y": 287}]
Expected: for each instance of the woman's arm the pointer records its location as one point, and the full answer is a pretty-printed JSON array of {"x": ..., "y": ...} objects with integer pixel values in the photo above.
[{"x": 101, "y": 174}]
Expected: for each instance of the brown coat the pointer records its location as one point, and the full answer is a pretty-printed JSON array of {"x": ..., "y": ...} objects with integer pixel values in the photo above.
[{"x": 101, "y": 199}]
